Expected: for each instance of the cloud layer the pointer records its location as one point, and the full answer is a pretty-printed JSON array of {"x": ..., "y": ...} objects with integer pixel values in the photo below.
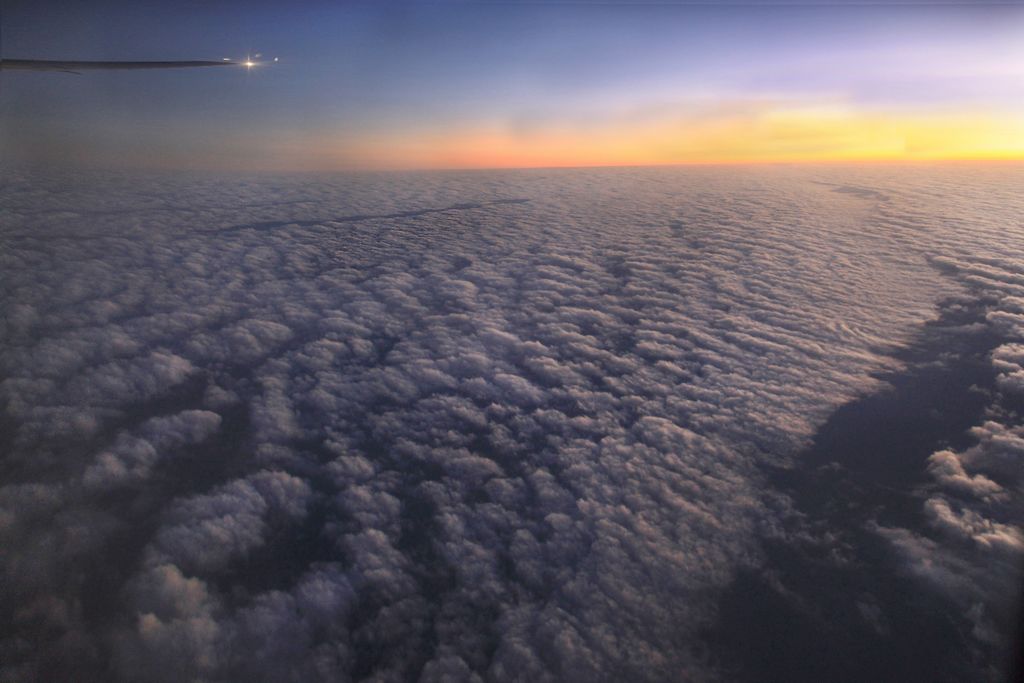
[{"x": 311, "y": 429}]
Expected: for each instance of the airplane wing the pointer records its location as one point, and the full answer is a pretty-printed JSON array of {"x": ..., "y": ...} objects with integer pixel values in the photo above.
[{"x": 55, "y": 65}]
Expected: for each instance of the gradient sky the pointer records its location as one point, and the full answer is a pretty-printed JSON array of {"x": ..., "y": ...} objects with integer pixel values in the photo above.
[{"x": 509, "y": 84}]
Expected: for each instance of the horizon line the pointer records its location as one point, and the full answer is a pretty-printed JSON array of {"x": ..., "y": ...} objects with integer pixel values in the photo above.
[{"x": 134, "y": 168}]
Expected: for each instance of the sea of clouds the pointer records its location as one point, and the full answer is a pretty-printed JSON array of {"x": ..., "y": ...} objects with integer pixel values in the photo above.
[{"x": 485, "y": 426}]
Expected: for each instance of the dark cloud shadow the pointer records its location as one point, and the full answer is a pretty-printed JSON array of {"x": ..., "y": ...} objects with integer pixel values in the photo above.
[
  {"x": 273, "y": 225},
  {"x": 831, "y": 602}
]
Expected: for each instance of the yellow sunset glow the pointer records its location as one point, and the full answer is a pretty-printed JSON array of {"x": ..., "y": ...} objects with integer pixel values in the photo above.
[{"x": 797, "y": 134}]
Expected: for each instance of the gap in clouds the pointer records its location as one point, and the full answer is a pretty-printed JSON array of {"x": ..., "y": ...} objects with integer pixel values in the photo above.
[{"x": 834, "y": 599}]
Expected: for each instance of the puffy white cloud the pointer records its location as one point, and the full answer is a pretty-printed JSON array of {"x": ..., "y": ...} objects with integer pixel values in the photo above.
[
  {"x": 948, "y": 470},
  {"x": 970, "y": 524}
]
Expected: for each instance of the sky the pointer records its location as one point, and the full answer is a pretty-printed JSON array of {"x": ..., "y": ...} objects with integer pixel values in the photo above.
[{"x": 477, "y": 84}]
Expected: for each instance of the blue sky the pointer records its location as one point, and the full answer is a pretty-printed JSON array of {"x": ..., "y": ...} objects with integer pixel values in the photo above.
[{"x": 354, "y": 78}]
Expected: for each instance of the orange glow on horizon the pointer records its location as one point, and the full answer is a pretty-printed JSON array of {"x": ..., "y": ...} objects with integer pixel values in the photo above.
[
  {"x": 773, "y": 135},
  {"x": 729, "y": 135}
]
